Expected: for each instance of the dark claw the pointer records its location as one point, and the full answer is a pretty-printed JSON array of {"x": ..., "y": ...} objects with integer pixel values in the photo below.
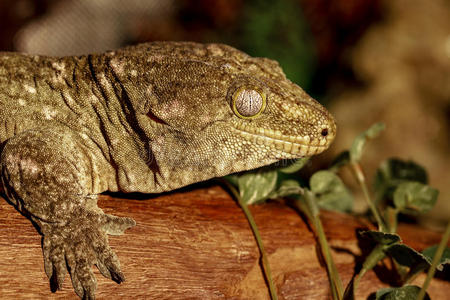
[
  {"x": 111, "y": 270},
  {"x": 118, "y": 276}
]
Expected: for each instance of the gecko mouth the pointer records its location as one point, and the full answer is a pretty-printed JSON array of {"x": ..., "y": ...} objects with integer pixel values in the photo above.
[{"x": 293, "y": 146}]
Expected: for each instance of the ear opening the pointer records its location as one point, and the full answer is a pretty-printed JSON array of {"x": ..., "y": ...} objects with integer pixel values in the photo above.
[{"x": 155, "y": 119}]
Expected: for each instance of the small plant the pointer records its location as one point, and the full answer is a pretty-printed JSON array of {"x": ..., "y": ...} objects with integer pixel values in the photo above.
[{"x": 400, "y": 187}]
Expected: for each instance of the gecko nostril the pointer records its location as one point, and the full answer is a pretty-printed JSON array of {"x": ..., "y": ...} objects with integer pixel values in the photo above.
[{"x": 324, "y": 132}]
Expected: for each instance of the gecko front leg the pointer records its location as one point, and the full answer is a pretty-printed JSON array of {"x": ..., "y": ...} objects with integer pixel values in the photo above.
[{"x": 47, "y": 176}]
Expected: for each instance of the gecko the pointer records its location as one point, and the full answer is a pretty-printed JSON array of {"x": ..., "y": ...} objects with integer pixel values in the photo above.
[{"x": 148, "y": 118}]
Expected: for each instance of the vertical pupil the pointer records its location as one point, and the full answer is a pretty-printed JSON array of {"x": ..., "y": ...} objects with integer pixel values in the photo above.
[{"x": 248, "y": 102}]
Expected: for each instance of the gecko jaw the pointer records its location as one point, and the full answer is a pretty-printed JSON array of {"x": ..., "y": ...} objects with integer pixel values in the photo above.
[{"x": 289, "y": 146}]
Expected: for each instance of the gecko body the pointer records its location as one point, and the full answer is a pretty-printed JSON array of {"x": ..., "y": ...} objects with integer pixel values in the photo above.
[{"x": 147, "y": 118}]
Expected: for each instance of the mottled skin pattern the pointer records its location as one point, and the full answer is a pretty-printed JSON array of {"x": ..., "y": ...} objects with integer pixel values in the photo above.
[{"x": 147, "y": 118}]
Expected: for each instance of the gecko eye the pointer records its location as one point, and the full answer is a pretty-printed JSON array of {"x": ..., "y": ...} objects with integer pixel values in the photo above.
[{"x": 248, "y": 103}]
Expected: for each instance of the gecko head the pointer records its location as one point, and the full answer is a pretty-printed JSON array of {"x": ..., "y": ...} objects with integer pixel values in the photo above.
[
  {"x": 220, "y": 107},
  {"x": 278, "y": 115}
]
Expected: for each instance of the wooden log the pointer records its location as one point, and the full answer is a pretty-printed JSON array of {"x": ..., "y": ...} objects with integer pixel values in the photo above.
[{"x": 197, "y": 244}]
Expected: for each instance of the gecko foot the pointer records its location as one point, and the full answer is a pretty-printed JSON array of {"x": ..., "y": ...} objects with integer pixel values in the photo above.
[{"x": 77, "y": 245}]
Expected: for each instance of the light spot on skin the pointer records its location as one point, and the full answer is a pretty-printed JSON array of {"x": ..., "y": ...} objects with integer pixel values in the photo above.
[
  {"x": 174, "y": 108},
  {"x": 103, "y": 80},
  {"x": 199, "y": 51},
  {"x": 12, "y": 160},
  {"x": 205, "y": 118},
  {"x": 59, "y": 66},
  {"x": 29, "y": 165},
  {"x": 215, "y": 50},
  {"x": 57, "y": 78},
  {"x": 30, "y": 89},
  {"x": 115, "y": 142},
  {"x": 117, "y": 65},
  {"x": 94, "y": 99},
  {"x": 253, "y": 68},
  {"x": 156, "y": 58},
  {"x": 226, "y": 66},
  {"x": 157, "y": 150},
  {"x": 49, "y": 113},
  {"x": 21, "y": 102},
  {"x": 133, "y": 73},
  {"x": 131, "y": 178},
  {"x": 70, "y": 100},
  {"x": 221, "y": 167},
  {"x": 25, "y": 163},
  {"x": 285, "y": 106}
]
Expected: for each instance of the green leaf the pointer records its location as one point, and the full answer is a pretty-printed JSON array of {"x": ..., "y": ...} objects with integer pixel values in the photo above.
[
  {"x": 397, "y": 169},
  {"x": 295, "y": 166},
  {"x": 287, "y": 188},
  {"x": 323, "y": 182},
  {"x": 233, "y": 179},
  {"x": 414, "y": 197},
  {"x": 330, "y": 192},
  {"x": 349, "y": 293},
  {"x": 445, "y": 258},
  {"x": 381, "y": 237},
  {"x": 393, "y": 172},
  {"x": 256, "y": 186},
  {"x": 383, "y": 292},
  {"x": 407, "y": 256},
  {"x": 406, "y": 292},
  {"x": 376, "y": 255},
  {"x": 358, "y": 144}
]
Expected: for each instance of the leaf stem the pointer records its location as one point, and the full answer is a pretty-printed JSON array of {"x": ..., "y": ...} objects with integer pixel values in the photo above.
[
  {"x": 391, "y": 217},
  {"x": 435, "y": 262},
  {"x": 264, "y": 260},
  {"x": 376, "y": 255},
  {"x": 361, "y": 179},
  {"x": 309, "y": 207}
]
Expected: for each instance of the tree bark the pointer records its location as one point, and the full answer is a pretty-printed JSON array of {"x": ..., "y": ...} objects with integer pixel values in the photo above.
[{"x": 197, "y": 244}]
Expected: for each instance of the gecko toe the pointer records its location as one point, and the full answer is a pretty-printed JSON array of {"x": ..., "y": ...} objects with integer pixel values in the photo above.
[
  {"x": 116, "y": 225},
  {"x": 109, "y": 265},
  {"x": 83, "y": 279},
  {"x": 54, "y": 262}
]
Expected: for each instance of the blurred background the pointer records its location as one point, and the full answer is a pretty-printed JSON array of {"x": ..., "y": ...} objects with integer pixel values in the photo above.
[{"x": 366, "y": 60}]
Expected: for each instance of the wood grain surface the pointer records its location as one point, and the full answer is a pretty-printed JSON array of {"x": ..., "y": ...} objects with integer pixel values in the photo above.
[{"x": 196, "y": 244}]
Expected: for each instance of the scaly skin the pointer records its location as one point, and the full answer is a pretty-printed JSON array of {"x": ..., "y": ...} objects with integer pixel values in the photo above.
[{"x": 147, "y": 118}]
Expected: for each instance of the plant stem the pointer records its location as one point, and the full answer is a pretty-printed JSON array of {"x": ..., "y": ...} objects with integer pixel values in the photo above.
[
  {"x": 329, "y": 260},
  {"x": 361, "y": 179},
  {"x": 391, "y": 217},
  {"x": 435, "y": 262},
  {"x": 264, "y": 260},
  {"x": 309, "y": 207}
]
